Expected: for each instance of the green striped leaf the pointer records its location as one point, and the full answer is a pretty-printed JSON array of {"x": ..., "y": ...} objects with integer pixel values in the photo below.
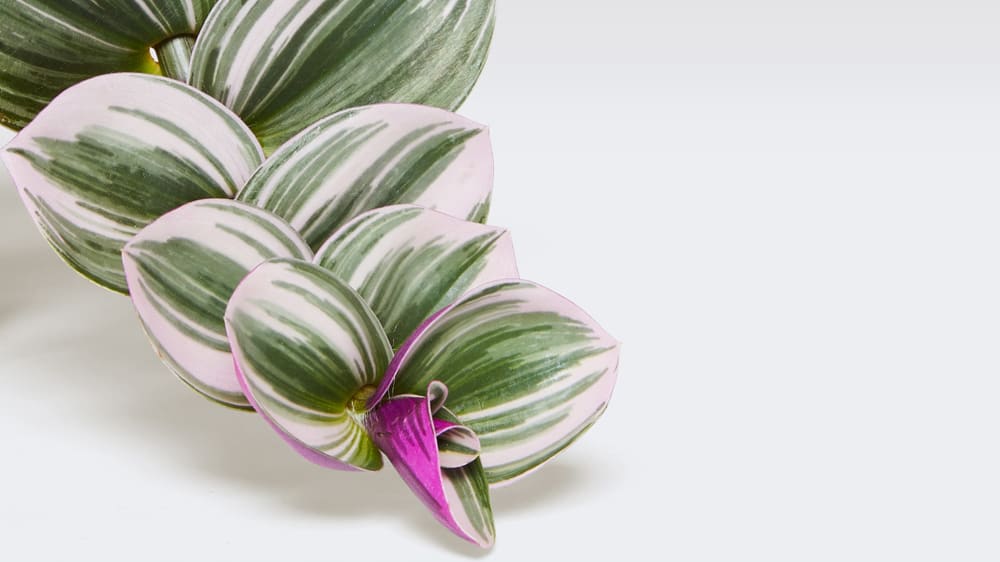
[
  {"x": 467, "y": 489},
  {"x": 370, "y": 157},
  {"x": 47, "y": 46},
  {"x": 310, "y": 352},
  {"x": 181, "y": 271},
  {"x": 409, "y": 262},
  {"x": 527, "y": 371},
  {"x": 464, "y": 480},
  {"x": 114, "y": 153},
  {"x": 457, "y": 445},
  {"x": 284, "y": 65}
]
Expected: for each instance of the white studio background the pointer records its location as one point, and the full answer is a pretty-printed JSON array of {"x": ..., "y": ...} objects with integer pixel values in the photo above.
[{"x": 786, "y": 210}]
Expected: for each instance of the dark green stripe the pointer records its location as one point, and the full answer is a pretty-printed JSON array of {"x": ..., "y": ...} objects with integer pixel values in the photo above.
[
  {"x": 307, "y": 369},
  {"x": 507, "y": 471},
  {"x": 39, "y": 58},
  {"x": 402, "y": 173},
  {"x": 95, "y": 257},
  {"x": 413, "y": 280},
  {"x": 494, "y": 349},
  {"x": 370, "y": 51},
  {"x": 472, "y": 487},
  {"x": 299, "y": 363}
]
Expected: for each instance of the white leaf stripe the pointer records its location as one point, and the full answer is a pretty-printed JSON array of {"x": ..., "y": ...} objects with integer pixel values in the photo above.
[
  {"x": 112, "y": 154},
  {"x": 47, "y": 46},
  {"x": 527, "y": 370},
  {"x": 312, "y": 455},
  {"x": 457, "y": 445},
  {"x": 308, "y": 347},
  {"x": 409, "y": 262},
  {"x": 467, "y": 487},
  {"x": 371, "y": 157},
  {"x": 284, "y": 65},
  {"x": 181, "y": 271}
]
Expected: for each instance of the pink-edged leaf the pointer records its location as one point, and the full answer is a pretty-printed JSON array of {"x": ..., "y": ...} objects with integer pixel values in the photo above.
[
  {"x": 309, "y": 353},
  {"x": 114, "y": 153},
  {"x": 408, "y": 262},
  {"x": 527, "y": 370},
  {"x": 312, "y": 455},
  {"x": 369, "y": 157},
  {"x": 283, "y": 64},
  {"x": 457, "y": 444},
  {"x": 181, "y": 271}
]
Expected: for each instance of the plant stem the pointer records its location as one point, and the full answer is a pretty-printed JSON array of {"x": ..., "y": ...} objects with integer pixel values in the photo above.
[{"x": 174, "y": 56}]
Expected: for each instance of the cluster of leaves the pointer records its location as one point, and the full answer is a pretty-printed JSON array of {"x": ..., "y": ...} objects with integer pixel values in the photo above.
[{"x": 298, "y": 217}]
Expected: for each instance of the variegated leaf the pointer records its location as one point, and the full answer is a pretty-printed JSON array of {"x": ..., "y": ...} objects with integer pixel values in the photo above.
[
  {"x": 527, "y": 371},
  {"x": 375, "y": 156},
  {"x": 457, "y": 495},
  {"x": 409, "y": 262},
  {"x": 457, "y": 445},
  {"x": 310, "y": 352},
  {"x": 284, "y": 65},
  {"x": 110, "y": 155},
  {"x": 181, "y": 271},
  {"x": 47, "y": 46}
]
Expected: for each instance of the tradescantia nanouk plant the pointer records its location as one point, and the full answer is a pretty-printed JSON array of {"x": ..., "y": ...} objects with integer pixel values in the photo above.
[
  {"x": 279, "y": 64},
  {"x": 112, "y": 154},
  {"x": 407, "y": 262},
  {"x": 481, "y": 393},
  {"x": 283, "y": 192}
]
